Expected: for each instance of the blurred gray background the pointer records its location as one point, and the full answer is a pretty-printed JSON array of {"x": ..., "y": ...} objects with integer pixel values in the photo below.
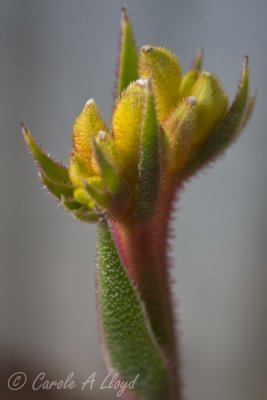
[{"x": 54, "y": 55}]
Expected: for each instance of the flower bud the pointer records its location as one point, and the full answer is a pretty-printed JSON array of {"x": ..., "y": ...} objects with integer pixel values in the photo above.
[
  {"x": 88, "y": 124},
  {"x": 163, "y": 68},
  {"x": 126, "y": 126},
  {"x": 180, "y": 128},
  {"x": 78, "y": 169},
  {"x": 212, "y": 104},
  {"x": 165, "y": 128},
  {"x": 187, "y": 83}
]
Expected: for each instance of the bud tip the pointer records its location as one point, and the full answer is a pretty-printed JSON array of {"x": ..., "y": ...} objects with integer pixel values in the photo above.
[
  {"x": 124, "y": 13},
  {"x": 142, "y": 82},
  {"x": 147, "y": 49},
  {"x": 191, "y": 101},
  {"x": 206, "y": 74},
  {"x": 23, "y": 128},
  {"x": 246, "y": 60},
  {"x": 89, "y": 102},
  {"x": 102, "y": 135}
]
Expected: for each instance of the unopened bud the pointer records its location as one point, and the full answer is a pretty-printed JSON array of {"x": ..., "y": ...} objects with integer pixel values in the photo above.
[
  {"x": 180, "y": 129},
  {"x": 163, "y": 68},
  {"x": 212, "y": 104}
]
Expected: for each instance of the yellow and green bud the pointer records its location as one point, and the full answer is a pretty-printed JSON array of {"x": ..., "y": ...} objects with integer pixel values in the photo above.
[
  {"x": 163, "y": 124},
  {"x": 163, "y": 68},
  {"x": 126, "y": 126},
  {"x": 212, "y": 105},
  {"x": 86, "y": 126},
  {"x": 180, "y": 128},
  {"x": 187, "y": 83}
]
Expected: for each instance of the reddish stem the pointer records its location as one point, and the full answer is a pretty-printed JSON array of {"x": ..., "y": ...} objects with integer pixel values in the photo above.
[{"x": 142, "y": 246}]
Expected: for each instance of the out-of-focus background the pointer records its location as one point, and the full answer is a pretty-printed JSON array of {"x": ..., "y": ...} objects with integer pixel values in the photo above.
[{"x": 54, "y": 55}]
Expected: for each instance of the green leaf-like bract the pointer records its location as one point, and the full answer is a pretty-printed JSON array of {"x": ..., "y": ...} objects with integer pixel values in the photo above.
[
  {"x": 149, "y": 165},
  {"x": 53, "y": 170},
  {"x": 127, "y": 334},
  {"x": 128, "y": 56},
  {"x": 100, "y": 197},
  {"x": 56, "y": 179},
  {"x": 56, "y": 189},
  {"x": 107, "y": 170}
]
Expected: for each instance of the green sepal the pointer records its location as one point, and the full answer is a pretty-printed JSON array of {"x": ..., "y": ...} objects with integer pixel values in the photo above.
[
  {"x": 78, "y": 211},
  {"x": 98, "y": 195},
  {"x": 149, "y": 164},
  {"x": 128, "y": 56},
  {"x": 131, "y": 347},
  {"x": 78, "y": 169},
  {"x": 107, "y": 170},
  {"x": 81, "y": 196},
  {"x": 56, "y": 189},
  {"x": 52, "y": 169},
  {"x": 85, "y": 215},
  {"x": 248, "y": 111},
  {"x": 69, "y": 203},
  {"x": 227, "y": 131}
]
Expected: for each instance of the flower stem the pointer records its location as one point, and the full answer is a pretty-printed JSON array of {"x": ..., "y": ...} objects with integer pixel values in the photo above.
[{"x": 142, "y": 247}]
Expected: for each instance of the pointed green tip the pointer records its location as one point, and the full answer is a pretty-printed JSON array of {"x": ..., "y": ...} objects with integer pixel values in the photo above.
[
  {"x": 30, "y": 142},
  {"x": 52, "y": 169},
  {"x": 127, "y": 63},
  {"x": 243, "y": 88},
  {"x": 124, "y": 14},
  {"x": 23, "y": 128},
  {"x": 246, "y": 60},
  {"x": 26, "y": 134},
  {"x": 33, "y": 147},
  {"x": 198, "y": 60},
  {"x": 245, "y": 68}
]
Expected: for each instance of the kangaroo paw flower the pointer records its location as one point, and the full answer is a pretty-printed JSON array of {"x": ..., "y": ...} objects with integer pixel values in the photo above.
[{"x": 165, "y": 127}]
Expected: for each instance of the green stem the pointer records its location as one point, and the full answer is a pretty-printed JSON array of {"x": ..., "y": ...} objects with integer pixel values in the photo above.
[
  {"x": 131, "y": 348},
  {"x": 142, "y": 247}
]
